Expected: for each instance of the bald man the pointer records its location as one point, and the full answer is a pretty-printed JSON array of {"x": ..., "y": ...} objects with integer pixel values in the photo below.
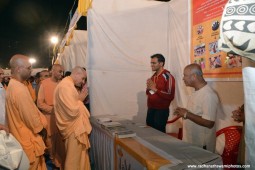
[
  {"x": 73, "y": 119},
  {"x": 200, "y": 114},
  {"x": 25, "y": 121},
  {"x": 45, "y": 104}
]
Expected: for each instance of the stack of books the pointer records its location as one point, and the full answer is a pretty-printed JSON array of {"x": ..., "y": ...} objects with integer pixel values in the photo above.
[
  {"x": 121, "y": 131},
  {"x": 103, "y": 120},
  {"x": 125, "y": 134},
  {"x": 110, "y": 124},
  {"x": 115, "y": 128}
]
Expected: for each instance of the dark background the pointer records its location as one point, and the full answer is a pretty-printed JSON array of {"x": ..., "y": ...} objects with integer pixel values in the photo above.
[{"x": 26, "y": 27}]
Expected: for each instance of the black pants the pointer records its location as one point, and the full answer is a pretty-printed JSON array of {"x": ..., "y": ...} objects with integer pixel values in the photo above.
[{"x": 157, "y": 118}]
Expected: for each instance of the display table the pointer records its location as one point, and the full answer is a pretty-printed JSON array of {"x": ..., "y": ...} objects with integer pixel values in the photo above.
[{"x": 150, "y": 149}]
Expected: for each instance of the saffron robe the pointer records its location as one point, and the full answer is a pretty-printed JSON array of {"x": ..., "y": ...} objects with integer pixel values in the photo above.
[
  {"x": 25, "y": 121},
  {"x": 54, "y": 142},
  {"x": 73, "y": 122}
]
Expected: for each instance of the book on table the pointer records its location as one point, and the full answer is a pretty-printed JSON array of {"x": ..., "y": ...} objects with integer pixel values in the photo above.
[
  {"x": 126, "y": 134},
  {"x": 110, "y": 124},
  {"x": 116, "y": 129},
  {"x": 103, "y": 119},
  {"x": 121, "y": 131}
]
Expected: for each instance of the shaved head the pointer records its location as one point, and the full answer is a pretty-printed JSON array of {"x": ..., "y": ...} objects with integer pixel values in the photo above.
[
  {"x": 20, "y": 67},
  {"x": 57, "y": 72},
  {"x": 78, "y": 70},
  {"x": 18, "y": 60},
  {"x": 79, "y": 76},
  {"x": 194, "y": 69},
  {"x": 193, "y": 76},
  {"x": 55, "y": 66}
]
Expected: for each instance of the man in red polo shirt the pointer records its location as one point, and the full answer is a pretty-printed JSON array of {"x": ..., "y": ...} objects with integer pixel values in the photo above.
[{"x": 160, "y": 91}]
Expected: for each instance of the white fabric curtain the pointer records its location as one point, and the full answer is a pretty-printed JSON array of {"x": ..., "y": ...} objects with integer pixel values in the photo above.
[
  {"x": 120, "y": 43},
  {"x": 76, "y": 53},
  {"x": 63, "y": 59}
]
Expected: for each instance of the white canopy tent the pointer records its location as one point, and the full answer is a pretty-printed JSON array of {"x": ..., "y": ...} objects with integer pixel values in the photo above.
[{"x": 122, "y": 35}]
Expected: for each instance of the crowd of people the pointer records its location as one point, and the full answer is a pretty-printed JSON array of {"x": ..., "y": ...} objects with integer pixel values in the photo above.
[
  {"x": 48, "y": 115},
  {"x": 50, "y": 118}
]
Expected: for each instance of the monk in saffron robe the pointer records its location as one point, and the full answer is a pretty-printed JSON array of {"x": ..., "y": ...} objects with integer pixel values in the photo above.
[
  {"x": 73, "y": 119},
  {"x": 25, "y": 121},
  {"x": 54, "y": 143}
]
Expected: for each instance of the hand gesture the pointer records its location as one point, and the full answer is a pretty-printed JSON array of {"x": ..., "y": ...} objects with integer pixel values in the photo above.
[
  {"x": 151, "y": 85},
  {"x": 83, "y": 94},
  {"x": 180, "y": 111}
]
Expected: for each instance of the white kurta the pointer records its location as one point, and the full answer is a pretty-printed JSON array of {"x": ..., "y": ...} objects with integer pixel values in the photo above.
[{"x": 205, "y": 103}]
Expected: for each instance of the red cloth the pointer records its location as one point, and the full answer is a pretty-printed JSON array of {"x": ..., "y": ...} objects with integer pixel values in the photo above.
[{"x": 165, "y": 84}]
